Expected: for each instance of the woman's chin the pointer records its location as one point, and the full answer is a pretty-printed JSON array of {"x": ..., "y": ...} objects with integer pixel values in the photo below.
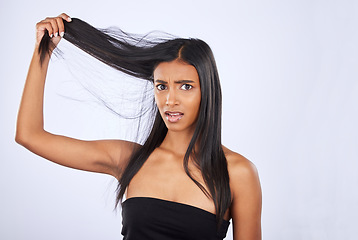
[{"x": 176, "y": 127}]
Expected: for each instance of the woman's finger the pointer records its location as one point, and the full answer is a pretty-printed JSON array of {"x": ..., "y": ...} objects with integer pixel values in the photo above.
[
  {"x": 42, "y": 26},
  {"x": 54, "y": 24},
  {"x": 61, "y": 26},
  {"x": 65, "y": 17}
]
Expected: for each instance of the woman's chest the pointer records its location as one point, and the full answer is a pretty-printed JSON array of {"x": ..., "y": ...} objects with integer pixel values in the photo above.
[{"x": 164, "y": 177}]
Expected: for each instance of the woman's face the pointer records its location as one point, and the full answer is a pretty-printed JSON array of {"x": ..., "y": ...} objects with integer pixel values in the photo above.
[{"x": 177, "y": 94}]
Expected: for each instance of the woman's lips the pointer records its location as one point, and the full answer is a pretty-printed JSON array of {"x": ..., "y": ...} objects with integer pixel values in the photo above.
[{"x": 173, "y": 116}]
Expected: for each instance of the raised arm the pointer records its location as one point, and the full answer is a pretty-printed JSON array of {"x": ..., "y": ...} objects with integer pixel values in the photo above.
[{"x": 104, "y": 156}]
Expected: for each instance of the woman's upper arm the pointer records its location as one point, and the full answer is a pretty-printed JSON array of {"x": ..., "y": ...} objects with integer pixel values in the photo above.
[
  {"x": 246, "y": 200},
  {"x": 103, "y": 156}
]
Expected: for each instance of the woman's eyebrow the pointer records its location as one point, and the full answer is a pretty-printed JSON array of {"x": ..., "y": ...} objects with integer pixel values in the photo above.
[
  {"x": 184, "y": 81},
  {"x": 160, "y": 81},
  {"x": 178, "y": 81}
]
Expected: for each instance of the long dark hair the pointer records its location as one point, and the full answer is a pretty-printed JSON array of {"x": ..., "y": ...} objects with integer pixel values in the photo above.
[{"x": 138, "y": 56}]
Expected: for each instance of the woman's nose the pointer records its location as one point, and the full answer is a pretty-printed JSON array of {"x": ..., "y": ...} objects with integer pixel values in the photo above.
[{"x": 171, "y": 98}]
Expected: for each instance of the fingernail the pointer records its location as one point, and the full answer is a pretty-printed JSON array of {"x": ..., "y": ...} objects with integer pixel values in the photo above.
[
  {"x": 51, "y": 35},
  {"x": 62, "y": 34},
  {"x": 56, "y": 34},
  {"x": 69, "y": 19}
]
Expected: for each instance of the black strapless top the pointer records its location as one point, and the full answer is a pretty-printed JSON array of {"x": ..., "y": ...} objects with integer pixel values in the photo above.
[{"x": 146, "y": 218}]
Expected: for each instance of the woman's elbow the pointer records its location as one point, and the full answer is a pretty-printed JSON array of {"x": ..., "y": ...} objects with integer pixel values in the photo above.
[
  {"x": 21, "y": 138},
  {"x": 24, "y": 138}
]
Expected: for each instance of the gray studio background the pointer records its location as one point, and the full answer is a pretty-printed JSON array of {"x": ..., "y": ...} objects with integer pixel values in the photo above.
[{"x": 290, "y": 84}]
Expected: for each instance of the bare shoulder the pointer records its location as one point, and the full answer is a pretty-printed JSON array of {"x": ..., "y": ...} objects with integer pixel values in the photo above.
[
  {"x": 239, "y": 167},
  {"x": 244, "y": 178}
]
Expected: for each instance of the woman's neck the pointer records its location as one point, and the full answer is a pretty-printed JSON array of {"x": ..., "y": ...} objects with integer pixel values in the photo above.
[{"x": 177, "y": 141}]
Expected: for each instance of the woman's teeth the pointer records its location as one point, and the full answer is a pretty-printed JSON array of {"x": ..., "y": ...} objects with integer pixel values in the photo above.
[{"x": 174, "y": 117}]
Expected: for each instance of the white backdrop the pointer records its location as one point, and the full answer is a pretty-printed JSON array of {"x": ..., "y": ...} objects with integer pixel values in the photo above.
[{"x": 290, "y": 83}]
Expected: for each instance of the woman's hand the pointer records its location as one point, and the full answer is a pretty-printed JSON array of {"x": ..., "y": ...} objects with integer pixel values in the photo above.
[{"x": 54, "y": 26}]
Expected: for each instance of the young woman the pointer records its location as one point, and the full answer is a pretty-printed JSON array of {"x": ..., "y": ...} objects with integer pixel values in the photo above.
[{"x": 181, "y": 183}]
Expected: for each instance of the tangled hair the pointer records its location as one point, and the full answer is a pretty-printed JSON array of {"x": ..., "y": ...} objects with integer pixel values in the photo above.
[{"x": 138, "y": 56}]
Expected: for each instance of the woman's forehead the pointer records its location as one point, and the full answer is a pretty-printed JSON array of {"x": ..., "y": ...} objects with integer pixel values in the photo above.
[{"x": 175, "y": 70}]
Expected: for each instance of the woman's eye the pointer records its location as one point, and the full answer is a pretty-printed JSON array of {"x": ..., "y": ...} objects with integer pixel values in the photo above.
[
  {"x": 160, "y": 87},
  {"x": 186, "y": 87}
]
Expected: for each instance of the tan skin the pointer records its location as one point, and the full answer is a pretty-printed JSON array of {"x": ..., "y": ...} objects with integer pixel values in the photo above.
[{"x": 177, "y": 90}]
